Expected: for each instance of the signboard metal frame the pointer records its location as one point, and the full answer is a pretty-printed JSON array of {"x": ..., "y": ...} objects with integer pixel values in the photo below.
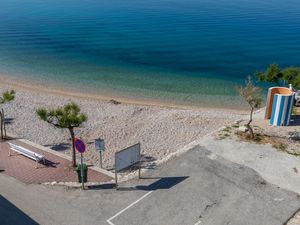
[{"x": 135, "y": 163}]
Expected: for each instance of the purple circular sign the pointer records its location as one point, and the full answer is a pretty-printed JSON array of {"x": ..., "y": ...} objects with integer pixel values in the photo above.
[{"x": 79, "y": 145}]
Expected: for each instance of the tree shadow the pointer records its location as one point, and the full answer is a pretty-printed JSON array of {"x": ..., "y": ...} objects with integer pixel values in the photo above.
[
  {"x": 10, "y": 214},
  {"x": 8, "y": 121},
  {"x": 59, "y": 147},
  {"x": 295, "y": 120}
]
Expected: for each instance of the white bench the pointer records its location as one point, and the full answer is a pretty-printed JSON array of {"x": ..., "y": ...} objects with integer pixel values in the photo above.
[{"x": 27, "y": 153}]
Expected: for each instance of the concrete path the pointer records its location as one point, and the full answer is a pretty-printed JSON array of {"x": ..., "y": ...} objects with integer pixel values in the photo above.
[
  {"x": 278, "y": 168},
  {"x": 198, "y": 187}
]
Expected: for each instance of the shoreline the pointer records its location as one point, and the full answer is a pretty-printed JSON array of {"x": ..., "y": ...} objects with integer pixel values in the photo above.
[
  {"x": 160, "y": 129},
  {"x": 34, "y": 86}
]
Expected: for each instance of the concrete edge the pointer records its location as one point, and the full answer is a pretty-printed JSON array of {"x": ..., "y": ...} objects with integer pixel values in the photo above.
[{"x": 76, "y": 184}]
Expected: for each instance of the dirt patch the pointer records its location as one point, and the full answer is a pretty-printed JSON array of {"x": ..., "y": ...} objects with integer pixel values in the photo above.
[{"x": 284, "y": 140}]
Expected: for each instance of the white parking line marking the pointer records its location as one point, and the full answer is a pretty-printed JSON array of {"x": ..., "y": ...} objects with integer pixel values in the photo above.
[{"x": 123, "y": 210}]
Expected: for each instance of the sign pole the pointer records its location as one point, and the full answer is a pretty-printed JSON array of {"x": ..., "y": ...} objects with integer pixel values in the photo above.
[
  {"x": 116, "y": 175},
  {"x": 82, "y": 181},
  {"x": 80, "y": 146},
  {"x": 101, "y": 159},
  {"x": 140, "y": 163},
  {"x": 139, "y": 170}
]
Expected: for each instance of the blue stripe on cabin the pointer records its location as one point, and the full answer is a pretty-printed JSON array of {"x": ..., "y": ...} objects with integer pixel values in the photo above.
[
  {"x": 273, "y": 109},
  {"x": 288, "y": 109},
  {"x": 281, "y": 109}
]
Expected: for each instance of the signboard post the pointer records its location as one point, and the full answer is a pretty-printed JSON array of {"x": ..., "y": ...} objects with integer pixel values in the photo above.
[
  {"x": 126, "y": 158},
  {"x": 80, "y": 147},
  {"x": 81, "y": 171},
  {"x": 100, "y": 147}
]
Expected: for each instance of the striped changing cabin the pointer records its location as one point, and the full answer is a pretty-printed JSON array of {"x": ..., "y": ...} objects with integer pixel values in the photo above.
[{"x": 281, "y": 109}]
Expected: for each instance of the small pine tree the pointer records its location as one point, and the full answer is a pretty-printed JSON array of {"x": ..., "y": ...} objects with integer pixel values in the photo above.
[
  {"x": 253, "y": 96},
  {"x": 66, "y": 117}
]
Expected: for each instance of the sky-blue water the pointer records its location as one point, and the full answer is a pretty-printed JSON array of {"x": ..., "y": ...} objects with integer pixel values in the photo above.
[{"x": 191, "y": 51}]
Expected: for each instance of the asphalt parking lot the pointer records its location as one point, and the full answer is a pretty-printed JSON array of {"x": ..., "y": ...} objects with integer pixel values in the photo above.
[{"x": 195, "y": 188}]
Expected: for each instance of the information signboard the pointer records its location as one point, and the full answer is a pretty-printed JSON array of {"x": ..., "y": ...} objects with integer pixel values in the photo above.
[
  {"x": 126, "y": 158},
  {"x": 99, "y": 144}
]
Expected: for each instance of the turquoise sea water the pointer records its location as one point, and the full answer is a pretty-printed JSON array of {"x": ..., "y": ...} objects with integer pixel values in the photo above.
[{"x": 191, "y": 52}]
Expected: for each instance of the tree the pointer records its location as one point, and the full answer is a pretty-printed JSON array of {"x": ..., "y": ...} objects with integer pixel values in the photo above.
[
  {"x": 7, "y": 96},
  {"x": 66, "y": 117},
  {"x": 291, "y": 75},
  {"x": 281, "y": 77},
  {"x": 253, "y": 96}
]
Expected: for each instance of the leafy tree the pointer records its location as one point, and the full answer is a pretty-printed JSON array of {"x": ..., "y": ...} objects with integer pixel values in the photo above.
[
  {"x": 291, "y": 75},
  {"x": 7, "y": 96},
  {"x": 66, "y": 117},
  {"x": 253, "y": 96},
  {"x": 273, "y": 75},
  {"x": 281, "y": 77}
]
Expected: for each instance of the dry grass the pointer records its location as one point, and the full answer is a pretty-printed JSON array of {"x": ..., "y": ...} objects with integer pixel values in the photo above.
[{"x": 279, "y": 143}]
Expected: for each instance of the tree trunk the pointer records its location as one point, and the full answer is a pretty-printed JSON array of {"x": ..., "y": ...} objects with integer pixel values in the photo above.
[
  {"x": 1, "y": 124},
  {"x": 73, "y": 147},
  {"x": 249, "y": 122},
  {"x": 4, "y": 125}
]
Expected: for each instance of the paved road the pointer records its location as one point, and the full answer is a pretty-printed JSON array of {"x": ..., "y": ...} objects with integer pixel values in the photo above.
[{"x": 195, "y": 188}]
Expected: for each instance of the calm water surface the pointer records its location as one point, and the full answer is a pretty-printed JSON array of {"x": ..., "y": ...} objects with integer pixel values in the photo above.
[{"x": 191, "y": 52}]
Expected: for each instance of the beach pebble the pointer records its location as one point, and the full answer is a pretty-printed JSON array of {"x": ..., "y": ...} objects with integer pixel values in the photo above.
[{"x": 160, "y": 130}]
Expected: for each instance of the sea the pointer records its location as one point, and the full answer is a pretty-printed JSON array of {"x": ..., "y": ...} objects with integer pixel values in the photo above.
[{"x": 186, "y": 52}]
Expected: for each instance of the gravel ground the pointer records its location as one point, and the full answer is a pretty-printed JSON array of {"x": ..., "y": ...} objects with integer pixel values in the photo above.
[
  {"x": 286, "y": 138},
  {"x": 160, "y": 130}
]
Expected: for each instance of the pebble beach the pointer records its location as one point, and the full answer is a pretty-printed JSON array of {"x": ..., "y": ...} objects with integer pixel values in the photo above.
[{"x": 161, "y": 130}]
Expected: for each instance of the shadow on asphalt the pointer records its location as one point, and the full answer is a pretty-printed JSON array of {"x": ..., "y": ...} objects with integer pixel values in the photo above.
[
  {"x": 10, "y": 214},
  {"x": 162, "y": 183},
  {"x": 102, "y": 186}
]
